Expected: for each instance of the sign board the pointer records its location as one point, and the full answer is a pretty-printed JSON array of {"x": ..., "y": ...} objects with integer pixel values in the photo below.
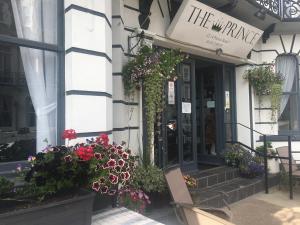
[
  {"x": 171, "y": 93},
  {"x": 198, "y": 24}
]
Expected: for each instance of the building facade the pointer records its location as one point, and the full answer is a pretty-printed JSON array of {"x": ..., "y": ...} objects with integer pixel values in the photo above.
[{"x": 61, "y": 68}]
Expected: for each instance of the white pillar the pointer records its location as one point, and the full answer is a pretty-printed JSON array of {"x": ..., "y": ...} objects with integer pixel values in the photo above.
[{"x": 88, "y": 66}]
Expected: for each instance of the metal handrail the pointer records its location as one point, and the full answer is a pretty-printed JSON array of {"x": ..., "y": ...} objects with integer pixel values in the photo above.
[{"x": 266, "y": 156}]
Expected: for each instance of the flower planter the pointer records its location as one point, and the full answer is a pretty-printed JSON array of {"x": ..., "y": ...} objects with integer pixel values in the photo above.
[
  {"x": 75, "y": 211},
  {"x": 159, "y": 200},
  {"x": 273, "y": 166}
]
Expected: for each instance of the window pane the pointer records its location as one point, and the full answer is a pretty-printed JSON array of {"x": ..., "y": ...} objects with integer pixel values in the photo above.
[
  {"x": 28, "y": 96},
  {"x": 289, "y": 118},
  {"x": 34, "y": 20}
]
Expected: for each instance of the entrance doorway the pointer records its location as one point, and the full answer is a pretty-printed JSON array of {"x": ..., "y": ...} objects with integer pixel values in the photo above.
[{"x": 200, "y": 107}]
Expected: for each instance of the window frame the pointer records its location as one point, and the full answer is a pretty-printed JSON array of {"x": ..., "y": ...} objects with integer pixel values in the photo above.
[
  {"x": 59, "y": 49},
  {"x": 294, "y": 93}
]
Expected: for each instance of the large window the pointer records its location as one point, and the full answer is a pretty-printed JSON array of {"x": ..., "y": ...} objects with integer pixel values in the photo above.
[
  {"x": 288, "y": 118},
  {"x": 29, "y": 68}
]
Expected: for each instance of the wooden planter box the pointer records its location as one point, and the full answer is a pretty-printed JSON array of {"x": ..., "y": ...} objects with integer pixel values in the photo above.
[{"x": 73, "y": 211}]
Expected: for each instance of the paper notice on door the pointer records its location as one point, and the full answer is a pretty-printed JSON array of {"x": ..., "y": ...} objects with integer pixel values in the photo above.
[
  {"x": 171, "y": 93},
  {"x": 210, "y": 104},
  {"x": 186, "y": 107}
]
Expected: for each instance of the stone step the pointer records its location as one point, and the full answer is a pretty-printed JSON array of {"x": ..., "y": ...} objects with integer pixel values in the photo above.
[
  {"x": 229, "y": 192},
  {"x": 214, "y": 176}
]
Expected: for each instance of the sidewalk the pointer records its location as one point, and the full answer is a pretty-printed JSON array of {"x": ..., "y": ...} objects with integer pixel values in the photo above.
[{"x": 274, "y": 208}]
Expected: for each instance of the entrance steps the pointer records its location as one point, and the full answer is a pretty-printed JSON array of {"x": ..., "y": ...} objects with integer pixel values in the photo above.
[{"x": 223, "y": 185}]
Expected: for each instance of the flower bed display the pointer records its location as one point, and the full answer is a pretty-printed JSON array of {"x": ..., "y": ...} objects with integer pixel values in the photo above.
[{"x": 58, "y": 187}]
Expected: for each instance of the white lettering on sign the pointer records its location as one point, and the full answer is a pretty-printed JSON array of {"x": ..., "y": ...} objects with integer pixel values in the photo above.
[{"x": 212, "y": 29}]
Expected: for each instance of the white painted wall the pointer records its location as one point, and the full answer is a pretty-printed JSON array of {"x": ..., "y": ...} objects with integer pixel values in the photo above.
[{"x": 88, "y": 74}]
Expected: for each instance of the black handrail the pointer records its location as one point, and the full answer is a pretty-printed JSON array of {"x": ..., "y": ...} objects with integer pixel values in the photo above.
[{"x": 266, "y": 156}]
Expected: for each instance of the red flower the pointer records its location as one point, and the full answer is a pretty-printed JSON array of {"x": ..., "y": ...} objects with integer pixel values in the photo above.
[
  {"x": 96, "y": 186},
  {"x": 103, "y": 139},
  {"x": 98, "y": 156},
  {"x": 111, "y": 163},
  {"x": 85, "y": 153},
  {"x": 121, "y": 162},
  {"x": 69, "y": 134},
  {"x": 68, "y": 158},
  {"x": 113, "y": 178}
]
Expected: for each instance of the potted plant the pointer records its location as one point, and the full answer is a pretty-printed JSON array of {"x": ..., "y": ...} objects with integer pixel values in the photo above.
[
  {"x": 151, "y": 180},
  {"x": 266, "y": 82},
  {"x": 273, "y": 163},
  {"x": 58, "y": 186},
  {"x": 233, "y": 155}
]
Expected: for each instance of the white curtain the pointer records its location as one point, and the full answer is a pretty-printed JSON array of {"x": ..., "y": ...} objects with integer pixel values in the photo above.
[
  {"x": 287, "y": 66},
  {"x": 32, "y": 18}
]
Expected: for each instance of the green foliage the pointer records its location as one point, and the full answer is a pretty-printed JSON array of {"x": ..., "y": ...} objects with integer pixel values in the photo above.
[
  {"x": 6, "y": 186},
  {"x": 270, "y": 150},
  {"x": 150, "y": 69},
  {"x": 266, "y": 82},
  {"x": 149, "y": 178},
  {"x": 249, "y": 165}
]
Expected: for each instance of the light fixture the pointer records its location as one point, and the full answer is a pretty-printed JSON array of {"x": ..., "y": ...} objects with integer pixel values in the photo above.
[
  {"x": 261, "y": 14},
  {"x": 219, "y": 51}
]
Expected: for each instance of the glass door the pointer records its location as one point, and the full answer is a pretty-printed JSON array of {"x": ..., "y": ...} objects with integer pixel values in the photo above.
[{"x": 180, "y": 119}]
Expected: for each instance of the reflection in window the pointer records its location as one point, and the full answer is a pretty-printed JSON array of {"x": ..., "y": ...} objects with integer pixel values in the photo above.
[
  {"x": 28, "y": 95},
  {"x": 28, "y": 78},
  {"x": 33, "y": 20}
]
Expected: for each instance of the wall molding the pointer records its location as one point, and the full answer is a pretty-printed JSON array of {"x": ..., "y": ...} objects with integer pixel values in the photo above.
[
  {"x": 86, "y": 10},
  {"x": 93, "y": 134},
  {"x": 125, "y": 128},
  {"x": 88, "y": 93},
  {"x": 88, "y": 52},
  {"x": 118, "y": 46},
  {"x": 125, "y": 102},
  {"x": 118, "y": 17}
]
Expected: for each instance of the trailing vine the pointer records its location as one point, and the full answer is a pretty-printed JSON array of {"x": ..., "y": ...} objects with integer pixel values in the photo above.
[
  {"x": 266, "y": 82},
  {"x": 150, "y": 69}
]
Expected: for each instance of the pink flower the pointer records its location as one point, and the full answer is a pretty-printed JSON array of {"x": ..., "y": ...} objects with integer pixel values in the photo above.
[
  {"x": 96, "y": 186},
  {"x": 125, "y": 175},
  {"x": 68, "y": 158},
  {"x": 121, "y": 162},
  {"x": 104, "y": 189},
  {"x": 125, "y": 155},
  {"x": 120, "y": 151},
  {"x": 98, "y": 156},
  {"x": 113, "y": 178},
  {"x": 111, "y": 163}
]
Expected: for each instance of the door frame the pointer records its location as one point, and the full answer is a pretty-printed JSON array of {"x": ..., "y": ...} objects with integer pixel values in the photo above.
[{"x": 221, "y": 139}]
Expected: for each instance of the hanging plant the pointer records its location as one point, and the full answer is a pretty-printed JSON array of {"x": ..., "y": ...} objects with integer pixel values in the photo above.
[
  {"x": 149, "y": 70},
  {"x": 266, "y": 82}
]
